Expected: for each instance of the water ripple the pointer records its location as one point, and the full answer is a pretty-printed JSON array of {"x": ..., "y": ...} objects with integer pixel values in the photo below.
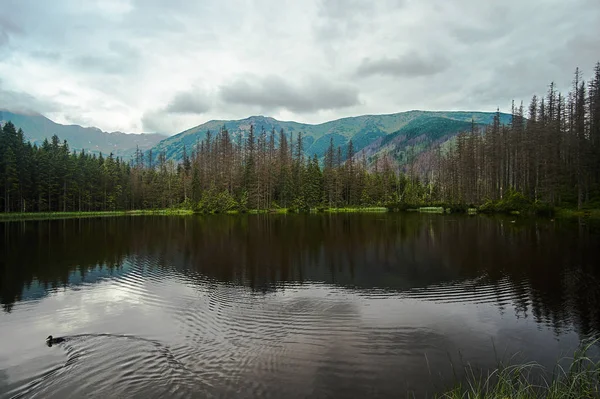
[{"x": 141, "y": 368}]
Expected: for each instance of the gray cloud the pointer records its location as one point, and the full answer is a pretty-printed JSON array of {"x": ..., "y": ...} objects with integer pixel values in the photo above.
[
  {"x": 487, "y": 25},
  {"x": 340, "y": 18},
  {"x": 45, "y": 55},
  {"x": 182, "y": 111},
  {"x": 192, "y": 102},
  {"x": 183, "y": 105},
  {"x": 120, "y": 58},
  {"x": 344, "y": 19},
  {"x": 490, "y": 91},
  {"x": 8, "y": 28},
  {"x": 410, "y": 65},
  {"x": 153, "y": 122},
  {"x": 124, "y": 49},
  {"x": 23, "y": 102},
  {"x": 347, "y": 10},
  {"x": 272, "y": 93},
  {"x": 3, "y": 38},
  {"x": 123, "y": 64},
  {"x": 98, "y": 64},
  {"x": 160, "y": 121},
  {"x": 344, "y": 9},
  {"x": 476, "y": 35}
]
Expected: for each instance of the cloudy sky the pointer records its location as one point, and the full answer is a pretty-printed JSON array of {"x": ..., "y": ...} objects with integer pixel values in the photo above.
[{"x": 157, "y": 65}]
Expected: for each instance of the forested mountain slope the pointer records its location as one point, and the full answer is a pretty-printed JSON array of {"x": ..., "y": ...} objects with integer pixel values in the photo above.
[
  {"x": 392, "y": 132},
  {"x": 37, "y": 128}
]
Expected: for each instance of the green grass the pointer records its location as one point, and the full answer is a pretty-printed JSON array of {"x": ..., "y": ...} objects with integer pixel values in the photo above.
[
  {"x": 561, "y": 213},
  {"x": 356, "y": 210},
  {"x": 257, "y": 211},
  {"x": 15, "y": 216},
  {"x": 578, "y": 213},
  {"x": 70, "y": 215},
  {"x": 279, "y": 210},
  {"x": 431, "y": 209},
  {"x": 531, "y": 381}
]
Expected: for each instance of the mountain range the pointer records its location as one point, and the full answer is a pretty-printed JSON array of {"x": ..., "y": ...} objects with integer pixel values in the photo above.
[
  {"x": 393, "y": 134},
  {"x": 37, "y": 128}
]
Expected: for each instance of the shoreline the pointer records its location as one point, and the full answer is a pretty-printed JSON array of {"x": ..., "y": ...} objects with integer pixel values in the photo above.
[
  {"x": 26, "y": 216},
  {"x": 557, "y": 214}
]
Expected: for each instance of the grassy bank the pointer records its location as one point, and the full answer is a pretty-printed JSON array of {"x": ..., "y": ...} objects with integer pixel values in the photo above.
[
  {"x": 370, "y": 209},
  {"x": 71, "y": 215},
  {"x": 432, "y": 208},
  {"x": 513, "y": 204},
  {"x": 548, "y": 212},
  {"x": 579, "y": 380},
  {"x": 282, "y": 211},
  {"x": 578, "y": 213}
]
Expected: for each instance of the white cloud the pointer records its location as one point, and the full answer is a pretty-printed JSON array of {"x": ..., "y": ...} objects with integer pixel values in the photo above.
[{"x": 140, "y": 64}]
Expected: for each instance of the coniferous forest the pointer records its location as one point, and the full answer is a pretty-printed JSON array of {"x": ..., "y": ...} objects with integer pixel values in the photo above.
[
  {"x": 549, "y": 154},
  {"x": 221, "y": 174}
]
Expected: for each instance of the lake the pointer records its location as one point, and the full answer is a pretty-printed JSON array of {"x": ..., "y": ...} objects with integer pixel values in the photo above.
[{"x": 273, "y": 306}]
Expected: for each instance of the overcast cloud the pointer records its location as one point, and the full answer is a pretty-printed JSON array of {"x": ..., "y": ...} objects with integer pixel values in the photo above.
[
  {"x": 272, "y": 93},
  {"x": 411, "y": 64},
  {"x": 152, "y": 65}
]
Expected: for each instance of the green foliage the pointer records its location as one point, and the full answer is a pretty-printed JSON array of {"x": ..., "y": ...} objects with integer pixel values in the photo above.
[
  {"x": 214, "y": 201},
  {"x": 243, "y": 202},
  {"x": 51, "y": 178},
  {"x": 187, "y": 204},
  {"x": 531, "y": 381},
  {"x": 457, "y": 208},
  {"x": 226, "y": 202},
  {"x": 516, "y": 203},
  {"x": 299, "y": 205}
]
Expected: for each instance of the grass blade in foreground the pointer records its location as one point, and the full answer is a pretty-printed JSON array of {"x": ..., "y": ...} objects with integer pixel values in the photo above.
[{"x": 580, "y": 380}]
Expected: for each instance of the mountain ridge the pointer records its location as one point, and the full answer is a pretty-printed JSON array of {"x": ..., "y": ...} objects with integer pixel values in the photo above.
[
  {"x": 37, "y": 128},
  {"x": 397, "y": 134},
  {"x": 363, "y": 130}
]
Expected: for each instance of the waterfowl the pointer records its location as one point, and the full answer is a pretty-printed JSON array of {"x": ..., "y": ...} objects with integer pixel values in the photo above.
[{"x": 51, "y": 341}]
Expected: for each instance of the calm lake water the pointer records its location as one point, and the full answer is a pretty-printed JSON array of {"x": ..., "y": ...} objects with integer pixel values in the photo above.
[{"x": 290, "y": 306}]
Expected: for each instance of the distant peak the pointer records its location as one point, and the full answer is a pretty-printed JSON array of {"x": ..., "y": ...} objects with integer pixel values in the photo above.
[{"x": 259, "y": 117}]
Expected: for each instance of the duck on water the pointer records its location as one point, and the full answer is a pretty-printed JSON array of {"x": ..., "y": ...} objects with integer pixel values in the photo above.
[{"x": 52, "y": 341}]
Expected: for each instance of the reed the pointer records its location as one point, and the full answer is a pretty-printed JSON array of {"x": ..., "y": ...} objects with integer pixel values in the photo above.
[{"x": 532, "y": 381}]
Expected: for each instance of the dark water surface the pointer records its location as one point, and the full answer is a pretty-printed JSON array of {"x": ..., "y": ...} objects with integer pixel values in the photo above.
[{"x": 286, "y": 306}]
